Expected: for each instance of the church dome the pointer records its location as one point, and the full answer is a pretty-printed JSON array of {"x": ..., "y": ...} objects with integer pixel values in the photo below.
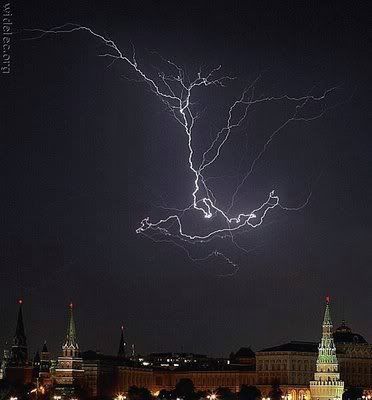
[{"x": 343, "y": 334}]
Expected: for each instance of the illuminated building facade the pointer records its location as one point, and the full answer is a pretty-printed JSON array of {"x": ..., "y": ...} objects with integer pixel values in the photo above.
[
  {"x": 4, "y": 363},
  {"x": 108, "y": 376},
  {"x": 128, "y": 376},
  {"x": 292, "y": 365},
  {"x": 204, "y": 380},
  {"x": 100, "y": 374},
  {"x": 354, "y": 357},
  {"x": 175, "y": 360}
]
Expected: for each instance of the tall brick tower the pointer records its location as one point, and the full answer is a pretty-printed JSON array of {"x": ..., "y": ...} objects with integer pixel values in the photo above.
[
  {"x": 69, "y": 373},
  {"x": 19, "y": 369},
  {"x": 327, "y": 384}
]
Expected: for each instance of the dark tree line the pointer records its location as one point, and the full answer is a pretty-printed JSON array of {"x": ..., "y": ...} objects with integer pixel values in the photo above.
[
  {"x": 185, "y": 390},
  {"x": 353, "y": 393},
  {"x": 136, "y": 393}
]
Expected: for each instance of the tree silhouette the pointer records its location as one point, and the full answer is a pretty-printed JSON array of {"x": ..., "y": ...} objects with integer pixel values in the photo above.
[
  {"x": 136, "y": 393},
  {"x": 249, "y": 393},
  {"x": 164, "y": 394},
  {"x": 185, "y": 389},
  {"x": 352, "y": 393},
  {"x": 224, "y": 393},
  {"x": 275, "y": 392}
]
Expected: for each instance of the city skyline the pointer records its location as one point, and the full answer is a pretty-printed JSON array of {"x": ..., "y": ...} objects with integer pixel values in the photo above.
[
  {"x": 88, "y": 152},
  {"x": 121, "y": 335},
  {"x": 339, "y": 365}
]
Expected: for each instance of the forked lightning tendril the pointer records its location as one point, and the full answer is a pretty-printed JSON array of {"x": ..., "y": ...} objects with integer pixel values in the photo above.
[{"x": 177, "y": 93}]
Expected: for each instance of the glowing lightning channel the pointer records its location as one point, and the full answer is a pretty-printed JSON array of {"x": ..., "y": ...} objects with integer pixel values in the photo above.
[{"x": 176, "y": 91}]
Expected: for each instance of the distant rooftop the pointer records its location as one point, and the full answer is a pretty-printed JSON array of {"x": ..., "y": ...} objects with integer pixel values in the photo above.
[
  {"x": 244, "y": 352},
  {"x": 176, "y": 354},
  {"x": 307, "y": 347},
  {"x": 343, "y": 334},
  {"x": 94, "y": 355}
]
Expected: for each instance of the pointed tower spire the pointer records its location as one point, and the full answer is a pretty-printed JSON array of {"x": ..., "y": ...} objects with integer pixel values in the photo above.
[
  {"x": 327, "y": 348},
  {"x": 122, "y": 344},
  {"x": 45, "y": 348},
  {"x": 37, "y": 359},
  {"x": 71, "y": 330},
  {"x": 71, "y": 347},
  {"x": 19, "y": 354},
  {"x": 20, "y": 337},
  {"x": 327, "y": 314}
]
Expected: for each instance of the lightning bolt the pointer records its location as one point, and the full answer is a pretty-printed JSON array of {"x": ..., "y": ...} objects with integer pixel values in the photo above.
[{"x": 177, "y": 93}]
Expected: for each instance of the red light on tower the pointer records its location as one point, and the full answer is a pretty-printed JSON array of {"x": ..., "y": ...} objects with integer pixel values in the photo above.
[
  {"x": 328, "y": 299},
  {"x": 20, "y": 301},
  {"x": 71, "y": 305}
]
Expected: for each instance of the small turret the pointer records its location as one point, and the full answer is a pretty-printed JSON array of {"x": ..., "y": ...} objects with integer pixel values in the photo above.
[
  {"x": 45, "y": 359},
  {"x": 45, "y": 348}
]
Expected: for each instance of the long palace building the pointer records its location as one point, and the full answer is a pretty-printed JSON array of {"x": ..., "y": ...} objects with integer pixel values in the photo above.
[{"x": 304, "y": 370}]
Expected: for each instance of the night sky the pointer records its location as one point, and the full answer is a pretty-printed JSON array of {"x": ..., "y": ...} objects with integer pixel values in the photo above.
[{"x": 86, "y": 154}]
